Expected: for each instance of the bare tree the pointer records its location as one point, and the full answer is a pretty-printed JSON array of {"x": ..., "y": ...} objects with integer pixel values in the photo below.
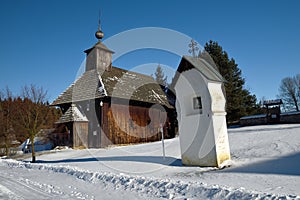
[
  {"x": 33, "y": 112},
  {"x": 289, "y": 92},
  {"x": 297, "y": 82}
]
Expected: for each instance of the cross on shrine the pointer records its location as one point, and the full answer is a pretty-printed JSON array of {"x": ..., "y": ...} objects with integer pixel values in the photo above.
[{"x": 193, "y": 47}]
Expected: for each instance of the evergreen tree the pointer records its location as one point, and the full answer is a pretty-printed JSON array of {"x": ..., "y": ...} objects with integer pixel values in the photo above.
[
  {"x": 239, "y": 100},
  {"x": 6, "y": 120},
  {"x": 160, "y": 77}
]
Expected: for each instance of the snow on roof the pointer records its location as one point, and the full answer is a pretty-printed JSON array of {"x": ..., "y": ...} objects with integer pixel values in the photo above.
[
  {"x": 272, "y": 102},
  {"x": 264, "y": 115},
  {"x": 73, "y": 114},
  {"x": 291, "y": 113},
  {"x": 117, "y": 83},
  {"x": 254, "y": 116}
]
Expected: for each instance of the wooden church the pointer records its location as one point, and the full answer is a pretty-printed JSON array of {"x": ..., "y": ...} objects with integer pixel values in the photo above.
[{"x": 108, "y": 105}]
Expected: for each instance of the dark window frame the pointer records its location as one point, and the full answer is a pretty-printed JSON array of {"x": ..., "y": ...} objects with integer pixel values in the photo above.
[{"x": 197, "y": 103}]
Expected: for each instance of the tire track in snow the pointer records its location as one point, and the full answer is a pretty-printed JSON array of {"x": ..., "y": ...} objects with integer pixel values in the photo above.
[
  {"x": 6, "y": 193},
  {"x": 22, "y": 190}
]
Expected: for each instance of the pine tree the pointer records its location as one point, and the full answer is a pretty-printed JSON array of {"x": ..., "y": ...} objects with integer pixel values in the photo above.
[
  {"x": 160, "y": 77},
  {"x": 239, "y": 100}
]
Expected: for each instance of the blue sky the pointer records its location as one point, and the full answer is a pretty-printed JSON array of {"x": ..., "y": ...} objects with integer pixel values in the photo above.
[{"x": 42, "y": 42}]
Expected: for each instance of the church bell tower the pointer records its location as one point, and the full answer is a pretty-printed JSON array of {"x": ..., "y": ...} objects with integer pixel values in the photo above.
[{"x": 99, "y": 56}]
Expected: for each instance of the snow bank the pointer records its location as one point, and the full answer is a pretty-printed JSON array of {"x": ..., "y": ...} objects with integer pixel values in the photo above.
[{"x": 151, "y": 187}]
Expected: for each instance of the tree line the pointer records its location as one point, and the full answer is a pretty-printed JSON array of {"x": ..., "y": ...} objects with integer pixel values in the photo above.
[{"x": 23, "y": 115}]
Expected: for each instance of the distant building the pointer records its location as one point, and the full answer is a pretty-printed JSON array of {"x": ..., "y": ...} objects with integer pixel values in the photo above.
[
  {"x": 273, "y": 115},
  {"x": 273, "y": 110},
  {"x": 109, "y": 105}
]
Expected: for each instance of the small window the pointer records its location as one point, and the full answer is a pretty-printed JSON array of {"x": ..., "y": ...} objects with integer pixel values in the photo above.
[
  {"x": 273, "y": 116},
  {"x": 197, "y": 104}
]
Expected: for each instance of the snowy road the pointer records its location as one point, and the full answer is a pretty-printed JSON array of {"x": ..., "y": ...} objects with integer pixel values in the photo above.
[
  {"x": 32, "y": 184},
  {"x": 12, "y": 187}
]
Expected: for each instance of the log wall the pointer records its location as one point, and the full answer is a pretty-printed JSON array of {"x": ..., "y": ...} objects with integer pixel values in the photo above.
[
  {"x": 130, "y": 124},
  {"x": 80, "y": 134}
]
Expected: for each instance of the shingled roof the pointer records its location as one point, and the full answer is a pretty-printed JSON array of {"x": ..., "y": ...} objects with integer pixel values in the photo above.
[
  {"x": 72, "y": 115},
  {"x": 99, "y": 45},
  {"x": 117, "y": 83}
]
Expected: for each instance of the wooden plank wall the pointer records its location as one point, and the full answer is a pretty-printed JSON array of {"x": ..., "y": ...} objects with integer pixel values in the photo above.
[
  {"x": 80, "y": 134},
  {"x": 119, "y": 128}
]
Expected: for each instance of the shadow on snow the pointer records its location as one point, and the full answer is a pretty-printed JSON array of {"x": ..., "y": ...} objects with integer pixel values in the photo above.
[
  {"x": 285, "y": 165},
  {"x": 169, "y": 161}
]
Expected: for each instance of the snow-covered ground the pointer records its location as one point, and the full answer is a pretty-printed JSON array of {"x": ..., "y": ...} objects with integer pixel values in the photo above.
[{"x": 265, "y": 165}]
